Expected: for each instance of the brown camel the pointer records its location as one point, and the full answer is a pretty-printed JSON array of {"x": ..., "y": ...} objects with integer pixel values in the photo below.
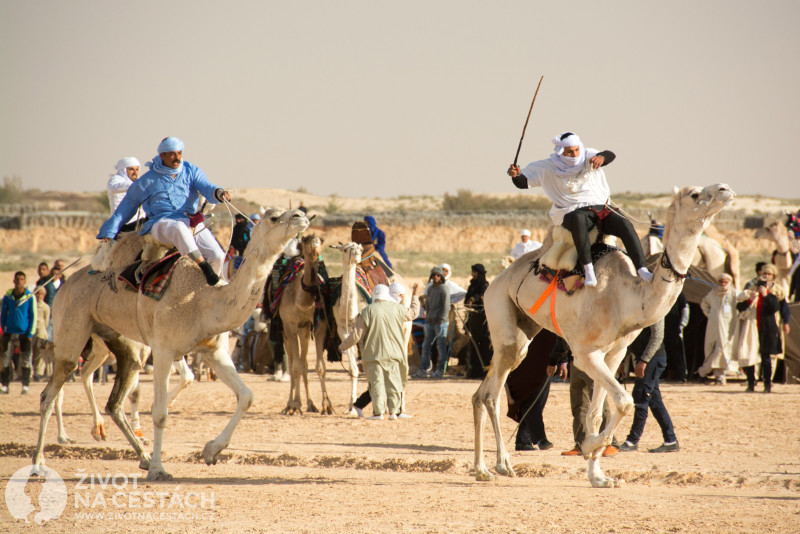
[
  {"x": 190, "y": 317},
  {"x": 598, "y": 323},
  {"x": 296, "y": 310}
]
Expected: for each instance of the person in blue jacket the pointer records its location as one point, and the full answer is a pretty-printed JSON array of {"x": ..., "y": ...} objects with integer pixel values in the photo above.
[
  {"x": 170, "y": 193},
  {"x": 17, "y": 318},
  {"x": 378, "y": 238}
]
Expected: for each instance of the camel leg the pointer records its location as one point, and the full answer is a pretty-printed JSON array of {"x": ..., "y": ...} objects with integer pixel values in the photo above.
[
  {"x": 305, "y": 333},
  {"x": 61, "y": 370},
  {"x": 352, "y": 354},
  {"x": 136, "y": 423},
  {"x": 319, "y": 339},
  {"x": 63, "y": 438},
  {"x": 162, "y": 364},
  {"x": 291, "y": 346},
  {"x": 599, "y": 370},
  {"x": 127, "y": 377},
  {"x": 186, "y": 379},
  {"x": 221, "y": 363},
  {"x": 96, "y": 359}
]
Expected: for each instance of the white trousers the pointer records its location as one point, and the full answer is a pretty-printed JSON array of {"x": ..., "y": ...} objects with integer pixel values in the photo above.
[{"x": 178, "y": 234}]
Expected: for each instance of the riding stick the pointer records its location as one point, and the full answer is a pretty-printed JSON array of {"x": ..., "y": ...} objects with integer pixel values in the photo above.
[{"x": 527, "y": 119}]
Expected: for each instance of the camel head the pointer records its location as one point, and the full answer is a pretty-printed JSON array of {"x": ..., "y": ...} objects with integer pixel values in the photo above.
[
  {"x": 352, "y": 252},
  {"x": 311, "y": 246},
  {"x": 693, "y": 208},
  {"x": 277, "y": 226},
  {"x": 774, "y": 230}
]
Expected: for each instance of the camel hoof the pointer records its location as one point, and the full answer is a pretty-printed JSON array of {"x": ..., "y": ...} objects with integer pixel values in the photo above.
[
  {"x": 312, "y": 409},
  {"x": 65, "y": 439},
  {"x": 211, "y": 453},
  {"x": 505, "y": 470},
  {"x": 144, "y": 464},
  {"x": 138, "y": 432},
  {"x": 98, "y": 432},
  {"x": 37, "y": 470},
  {"x": 484, "y": 476},
  {"x": 158, "y": 476}
]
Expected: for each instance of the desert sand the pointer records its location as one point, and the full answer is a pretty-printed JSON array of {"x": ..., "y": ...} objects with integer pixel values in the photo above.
[{"x": 738, "y": 469}]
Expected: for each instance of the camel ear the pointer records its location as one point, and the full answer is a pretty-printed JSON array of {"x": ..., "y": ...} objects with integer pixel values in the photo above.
[{"x": 675, "y": 191}]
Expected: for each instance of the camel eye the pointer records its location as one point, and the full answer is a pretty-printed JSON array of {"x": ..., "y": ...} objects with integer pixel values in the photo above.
[
  {"x": 695, "y": 195},
  {"x": 273, "y": 219}
]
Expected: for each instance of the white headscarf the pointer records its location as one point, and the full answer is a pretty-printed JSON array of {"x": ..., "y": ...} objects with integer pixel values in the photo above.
[
  {"x": 381, "y": 292},
  {"x": 123, "y": 164},
  {"x": 566, "y": 166},
  {"x": 449, "y": 270},
  {"x": 396, "y": 289}
]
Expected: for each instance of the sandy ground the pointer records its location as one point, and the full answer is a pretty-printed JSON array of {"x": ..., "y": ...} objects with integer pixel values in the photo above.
[{"x": 738, "y": 469}]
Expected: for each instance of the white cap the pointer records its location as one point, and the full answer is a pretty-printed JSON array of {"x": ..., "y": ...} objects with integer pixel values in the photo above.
[
  {"x": 526, "y": 232},
  {"x": 397, "y": 289}
]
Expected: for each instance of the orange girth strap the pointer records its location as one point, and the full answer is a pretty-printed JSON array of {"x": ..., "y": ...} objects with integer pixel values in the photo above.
[{"x": 550, "y": 291}]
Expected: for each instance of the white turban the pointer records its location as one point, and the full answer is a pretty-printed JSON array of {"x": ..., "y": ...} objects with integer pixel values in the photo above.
[
  {"x": 526, "y": 232},
  {"x": 446, "y": 266},
  {"x": 397, "y": 289},
  {"x": 124, "y": 163},
  {"x": 567, "y": 166},
  {"x": 381, "y": 292}
]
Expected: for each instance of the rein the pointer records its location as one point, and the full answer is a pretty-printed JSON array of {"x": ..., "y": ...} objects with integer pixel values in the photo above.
[{"x": 666, "y": 263}]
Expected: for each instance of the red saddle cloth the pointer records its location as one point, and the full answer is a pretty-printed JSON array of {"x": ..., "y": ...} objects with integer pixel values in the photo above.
[{"x": 155, "y": 280}]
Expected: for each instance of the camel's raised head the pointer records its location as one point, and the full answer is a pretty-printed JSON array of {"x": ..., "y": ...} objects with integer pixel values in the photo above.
[
  {"x": 701, "y": 204},
  {"x": 351, "y": 252},
  {"x": 293, "y": 221}
]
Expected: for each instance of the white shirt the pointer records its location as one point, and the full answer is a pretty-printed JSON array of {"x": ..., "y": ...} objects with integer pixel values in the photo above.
[
  {"x": 568, "y": 193},
  {"x": 117, "y": 187},
  {"x": 521, "y": 248}
]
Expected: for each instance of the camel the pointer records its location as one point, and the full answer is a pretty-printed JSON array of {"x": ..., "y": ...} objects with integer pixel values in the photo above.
[
  {"x": 598, "y": 323},
  {"x": 714, "y": 253},
  {"x": 296, "y": 309},
  {"x": 190, "y": 317},
  {"x": 775, "y": 231},
  {"x": 346, "y": 310},
  {"x": 350, "y": 303}
]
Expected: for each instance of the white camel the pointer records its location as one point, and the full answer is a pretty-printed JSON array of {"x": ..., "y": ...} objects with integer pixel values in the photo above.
[
  {"x": 598, "y": 323},
  {"x": 346, "y": 309},
  {"x": 190, "y": 317}
]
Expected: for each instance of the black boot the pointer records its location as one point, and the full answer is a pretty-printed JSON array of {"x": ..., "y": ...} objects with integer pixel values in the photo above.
[
  {"x": 208, "y": 270},
  {"x": 750, "y": 372},
  {"x": 5, "y": 376}
]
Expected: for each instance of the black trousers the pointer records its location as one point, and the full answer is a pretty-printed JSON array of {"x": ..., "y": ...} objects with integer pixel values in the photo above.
[
  {"x": 531, "y": 428},
  {"x": 582, "y": 220}
]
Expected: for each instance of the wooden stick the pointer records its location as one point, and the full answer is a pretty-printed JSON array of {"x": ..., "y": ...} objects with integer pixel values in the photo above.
[{"x": 527, "y": 119}]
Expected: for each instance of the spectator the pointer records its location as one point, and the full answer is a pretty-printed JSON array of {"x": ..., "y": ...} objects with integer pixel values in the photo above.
[
  {"x": 240, "y": 234},
  {"x": 18, "y": 320},
  {"x": 480, "y": 348},
  {"x": 528, "y": 388},
  {"x": 648, "y": 347},
  {"x": 397, "y": 291},
  {"x": 41, "y": 337},
  {"x": 436, "y": 323},
  {"x": 378, "y": 238},
  {"x": 581, "y": 388},
  {"x": 759, "y": 334},
  {"x": 46, "y": 282},
  {"x": 525, "y": 245},
  {"x": 719, "y": 305},
  {"x": 457, "y": 293},
  {"x": 675, "y": 321},
  {"x": 379, "y": 332}
]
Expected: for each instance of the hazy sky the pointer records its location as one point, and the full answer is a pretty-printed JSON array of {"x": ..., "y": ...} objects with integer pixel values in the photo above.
[{"x": 401, "y": 98}]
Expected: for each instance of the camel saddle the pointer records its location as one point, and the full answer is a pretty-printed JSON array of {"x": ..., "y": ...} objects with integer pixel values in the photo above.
[
  {"x": 560, "y": 260},
  {"x": 372, "y": 267},
  {"x": 155, "y": 278}
]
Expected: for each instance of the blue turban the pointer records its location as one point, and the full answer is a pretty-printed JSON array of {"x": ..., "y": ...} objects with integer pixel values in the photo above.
[{"x": 170, "y": 144}]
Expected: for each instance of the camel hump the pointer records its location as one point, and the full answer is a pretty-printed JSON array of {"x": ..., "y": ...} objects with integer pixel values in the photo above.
[
  {"x": 561, "y": 254},
  {"x": 118, "y": 253}
]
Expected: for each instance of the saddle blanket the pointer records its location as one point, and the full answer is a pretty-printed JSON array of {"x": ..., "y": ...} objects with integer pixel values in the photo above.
[
  {"x": 571, "y": 281},
  {"x": 291, "y": 273},
  {"x": 155, "y": 280}
]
